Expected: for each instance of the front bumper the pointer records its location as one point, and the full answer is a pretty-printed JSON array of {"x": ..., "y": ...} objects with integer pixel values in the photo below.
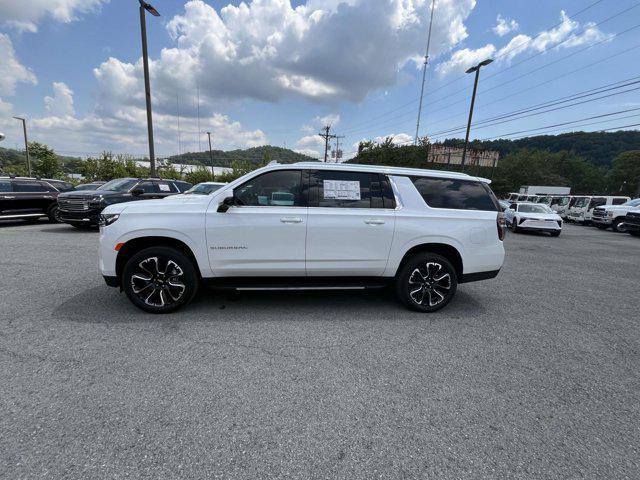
[
  {"x": 602, "y": 220},
  {"x": 87, "y": 217},
  {"x": 551, "y": 226}
]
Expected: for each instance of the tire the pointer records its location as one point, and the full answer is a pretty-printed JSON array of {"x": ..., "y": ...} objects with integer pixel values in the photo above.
[
  {"x": 514, "y": 225},
  {"x": 155, "y": 270},
  {"x": 53, "y": 213},
  {"x": 618, "y": 226},
  {"x": 421, "y": 283},
  {"x": 601, "y": 227},
  {"x": 635, "y": 234}
]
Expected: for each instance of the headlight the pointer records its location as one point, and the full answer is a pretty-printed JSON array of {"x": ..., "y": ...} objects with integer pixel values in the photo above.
[
  {"x": 97, "y": 198},
  {"x": 107, "y": 219}
]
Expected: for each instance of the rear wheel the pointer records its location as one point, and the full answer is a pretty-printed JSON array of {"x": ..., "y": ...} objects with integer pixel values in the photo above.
[
  {"x": 618, "y": 226},
  {"x": 160, "y": 279},
  {"x": 427, "y": 282}
]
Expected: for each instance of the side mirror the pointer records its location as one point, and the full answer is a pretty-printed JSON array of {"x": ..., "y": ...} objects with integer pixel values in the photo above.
[
  {"x": 136, "y": 192},
  {"x": 226, "y": 204}
]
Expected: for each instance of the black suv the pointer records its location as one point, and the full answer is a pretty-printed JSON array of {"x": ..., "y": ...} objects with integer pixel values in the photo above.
[
  {"x": 29, "y": 198},
  {"x": 82, "y": 208}
]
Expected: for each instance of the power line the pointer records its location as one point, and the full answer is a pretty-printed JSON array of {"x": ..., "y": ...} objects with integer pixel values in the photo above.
[
  {"x": 412, "y": 102},
  {"x": 517, "y": 78},
  {"x": 531, "y": 111}
]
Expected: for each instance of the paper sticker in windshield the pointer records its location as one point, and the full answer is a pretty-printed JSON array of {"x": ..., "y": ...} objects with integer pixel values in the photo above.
[
  {"x": 341, "y": 190},
  {"x": 164, "y": 187}
]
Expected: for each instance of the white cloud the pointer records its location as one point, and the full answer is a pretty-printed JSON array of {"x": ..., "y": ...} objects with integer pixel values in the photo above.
[
  {"x": 324, "y": 50},
  {"x": 61, "y": 104},
  {"x": 397, "y": 138},
  {"x": 12, "y": 71},
  {"x": 311, "y": 141},
  {"x": 332, "y": 119},
  {"x": 504, "y": 26},
  {"x": 567, "y": 34},
  {"x": 309, "y": 152},
  {"x": 25, "y": 15},
  {"x": 462, "y": 59}
]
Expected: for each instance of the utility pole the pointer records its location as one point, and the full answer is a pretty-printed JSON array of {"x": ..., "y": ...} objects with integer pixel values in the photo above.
[
  {"x": 144, "y": 6},
  {"x": 26, "y": 142},
  {"x": 338, "y": 152},
  {"x": 475, "y": 69},
  {"x": 424, "y": 73},
  {"x": 198, "y": 107},
  {"x": 213, "y": 175},
  {"x": 327, "y": 136}
]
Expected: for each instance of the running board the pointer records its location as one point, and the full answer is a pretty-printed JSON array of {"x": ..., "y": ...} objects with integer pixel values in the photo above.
[{"x": 298, "y": 283}]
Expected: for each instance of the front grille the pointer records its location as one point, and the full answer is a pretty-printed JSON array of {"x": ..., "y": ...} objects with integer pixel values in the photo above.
[
  {"x": 599, "y": 212},
  {"x": 73, "y": 204}
]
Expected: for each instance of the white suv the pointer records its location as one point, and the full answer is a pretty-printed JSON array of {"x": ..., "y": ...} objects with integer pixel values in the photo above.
[{"x": 308, "y": 225}]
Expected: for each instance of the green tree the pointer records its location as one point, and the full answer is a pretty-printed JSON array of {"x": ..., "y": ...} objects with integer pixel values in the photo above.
[
  {"x": 199, "y": 175},
  {"x": 624, "y": 176},
  {"x": 45, "y": 162}
]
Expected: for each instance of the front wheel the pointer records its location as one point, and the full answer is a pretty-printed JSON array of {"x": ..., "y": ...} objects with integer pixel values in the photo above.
[
  {"x": 53, "y": 213},
  {"x": 514, "y": 225},
  {"x": 427, "y": 282},
  {"x": 160, "y": 279},
  {"x": 618, "y": 226}
]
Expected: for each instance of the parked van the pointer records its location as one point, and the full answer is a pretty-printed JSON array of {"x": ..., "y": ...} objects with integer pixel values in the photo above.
[
  {"x": 560, "y": 204},
  {"x": 582, "y": 209}
]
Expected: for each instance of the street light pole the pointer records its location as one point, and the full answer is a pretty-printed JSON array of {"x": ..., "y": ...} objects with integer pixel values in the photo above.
[
  {"x": 213, "y": 175},
  {"x": 475, "y": 69},
  {"x": 26, "y": 142},
  {"x": 147, "y": 86}
]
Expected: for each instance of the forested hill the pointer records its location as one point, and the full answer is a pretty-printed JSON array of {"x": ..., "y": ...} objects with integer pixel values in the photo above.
[
  {"x": 256, "y": 155},
  {"x": 599, "y": 148}
]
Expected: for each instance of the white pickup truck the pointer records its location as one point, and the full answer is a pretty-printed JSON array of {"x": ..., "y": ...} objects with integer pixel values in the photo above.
[{"x": 613, "y": 215}]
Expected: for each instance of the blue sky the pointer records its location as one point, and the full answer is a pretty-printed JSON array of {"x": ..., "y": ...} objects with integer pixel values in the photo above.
[{"x": 273, "y": 72}]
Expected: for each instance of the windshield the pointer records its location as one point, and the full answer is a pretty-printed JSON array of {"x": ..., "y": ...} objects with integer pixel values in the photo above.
[
  {"x": 582, "y": 202},
  {"x": 534, "y": 209},
  {"x": 118, "y": 185},
  {"x": 632, "y": 203},
  {"x": 203, "y": 189}
]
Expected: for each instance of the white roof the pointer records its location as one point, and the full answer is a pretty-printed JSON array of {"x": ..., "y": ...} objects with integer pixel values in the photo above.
[{"x": 385, "y": 169}]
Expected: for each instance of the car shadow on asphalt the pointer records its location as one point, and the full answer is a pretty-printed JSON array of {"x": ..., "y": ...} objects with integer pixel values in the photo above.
[{"x": 106, "y": 305}]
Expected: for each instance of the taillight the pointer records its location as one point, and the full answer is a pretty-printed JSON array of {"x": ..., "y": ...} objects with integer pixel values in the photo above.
[{"x": 502, "y": 225}]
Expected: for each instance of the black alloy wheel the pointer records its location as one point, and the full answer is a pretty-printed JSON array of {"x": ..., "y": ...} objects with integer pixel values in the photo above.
[
  {"x": 160, "y": 279},
  {"x": 427, "y": 282}
]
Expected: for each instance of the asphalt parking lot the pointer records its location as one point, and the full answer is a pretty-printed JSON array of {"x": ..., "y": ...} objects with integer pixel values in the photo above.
[{"x": 532, "y": 375}]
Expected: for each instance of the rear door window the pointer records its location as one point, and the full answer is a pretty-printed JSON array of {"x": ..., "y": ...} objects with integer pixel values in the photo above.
[
  {"x": 455, "y": 194},
  {"x": 618, "y": 201},
  {"x": 343, "y": 189},
  {"x": 28, "y": 186},
  {"x": 5, "y": 186},
  {"x": 148, "y": 187},
  {"x": 167, "y": 187}
]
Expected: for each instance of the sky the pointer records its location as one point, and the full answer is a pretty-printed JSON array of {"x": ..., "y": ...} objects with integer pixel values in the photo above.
[{"x": 276, "y": 71}]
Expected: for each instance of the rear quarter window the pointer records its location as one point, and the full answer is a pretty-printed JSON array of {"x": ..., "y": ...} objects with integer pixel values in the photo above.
[{"x": 456, "y": 194}]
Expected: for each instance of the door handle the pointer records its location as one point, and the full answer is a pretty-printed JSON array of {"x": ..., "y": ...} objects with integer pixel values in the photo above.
[
  {"x": 8, "y": 197},
  {"x": 374, "y": 221},
  {"x": 291, "y": 220}
]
